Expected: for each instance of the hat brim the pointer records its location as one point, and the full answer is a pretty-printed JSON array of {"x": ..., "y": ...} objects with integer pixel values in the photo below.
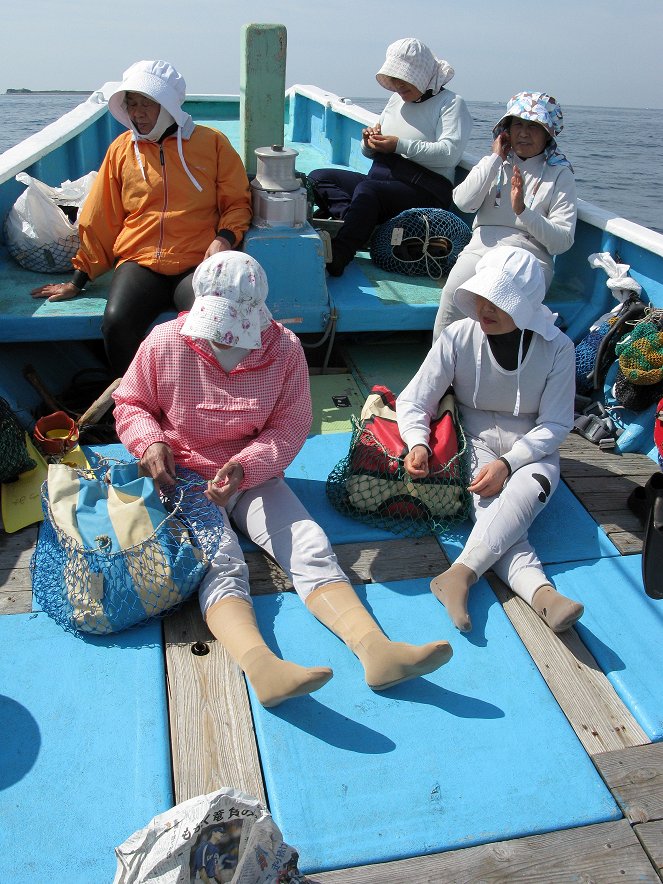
[
  {"x": 209, "y": 319},
  {"x": 149, "y": 85}
]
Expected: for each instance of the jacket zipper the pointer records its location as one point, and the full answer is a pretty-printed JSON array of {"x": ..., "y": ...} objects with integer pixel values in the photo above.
[{"x": 165, "y": 202}]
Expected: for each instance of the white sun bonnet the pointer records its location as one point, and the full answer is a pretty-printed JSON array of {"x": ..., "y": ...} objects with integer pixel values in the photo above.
[
  {"x": 230, "y": 289},
  {"x": 511, "y": 279},
  {"x": 413, "y": 62}
]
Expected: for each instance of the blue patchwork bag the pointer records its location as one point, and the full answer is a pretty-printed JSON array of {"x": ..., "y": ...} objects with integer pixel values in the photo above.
[{"x": 113, "y": 552}]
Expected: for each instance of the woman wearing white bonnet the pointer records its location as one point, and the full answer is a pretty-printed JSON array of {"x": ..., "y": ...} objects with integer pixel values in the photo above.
[
  {"x": 415, "y": 147},
  {"x": 168, "y": 194},
  {"x": 513, "y": 374},
  {"x": 523, "y": 193},
  {"x": 224, "y": 391}
]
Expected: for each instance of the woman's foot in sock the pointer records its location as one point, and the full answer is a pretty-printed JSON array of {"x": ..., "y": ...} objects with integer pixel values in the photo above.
[
  {"x": 555, "y": 609},
  {"x": 275, "y": 680},
  {"x": 388, "y": 663},
  {"x": 452, "y": 589}
]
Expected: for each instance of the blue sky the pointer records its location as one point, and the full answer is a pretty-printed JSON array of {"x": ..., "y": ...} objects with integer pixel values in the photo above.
[{"x": 585, "y": 52}]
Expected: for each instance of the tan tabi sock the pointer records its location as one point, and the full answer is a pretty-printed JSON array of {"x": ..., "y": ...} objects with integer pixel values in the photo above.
[
  {"x": 555, "y": 609},
  {"x": 385, "y": 663},
  {"x": 232, "y": 621},
  {"x": 452, "y": 588}
]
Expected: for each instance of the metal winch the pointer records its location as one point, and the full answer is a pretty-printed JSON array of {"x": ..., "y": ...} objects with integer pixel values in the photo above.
[{"x": 278, "y": 196}]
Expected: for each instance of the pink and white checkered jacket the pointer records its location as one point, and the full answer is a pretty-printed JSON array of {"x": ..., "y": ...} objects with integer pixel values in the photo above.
[{"x": 176, "y": 392}]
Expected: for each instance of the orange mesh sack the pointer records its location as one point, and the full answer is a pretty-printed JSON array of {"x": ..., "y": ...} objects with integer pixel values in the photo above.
[{"x": 371, "y": 483}]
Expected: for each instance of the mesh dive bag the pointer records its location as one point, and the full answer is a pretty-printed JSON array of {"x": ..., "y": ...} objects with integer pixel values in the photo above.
[
  {"x": 14, "y": 457},
  {"x": 371, "y": 483},
  {"x": 420, "y": 242},
  {"x": 114, "y": 554}
]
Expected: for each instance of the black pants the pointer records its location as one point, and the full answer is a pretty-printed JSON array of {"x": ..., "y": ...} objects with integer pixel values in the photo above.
[
  {"x": 137, "y": 296},
  {"x": 363, "y": 201}
]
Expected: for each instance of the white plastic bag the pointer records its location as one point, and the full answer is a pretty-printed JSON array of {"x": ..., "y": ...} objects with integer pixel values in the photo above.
[
  {"x": 39, "y": 234},
  {"x": 225, "y": 836}
]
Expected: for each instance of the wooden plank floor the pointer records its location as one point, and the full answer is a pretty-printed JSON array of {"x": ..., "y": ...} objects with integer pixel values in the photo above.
[{"x": 211, "y": 726}]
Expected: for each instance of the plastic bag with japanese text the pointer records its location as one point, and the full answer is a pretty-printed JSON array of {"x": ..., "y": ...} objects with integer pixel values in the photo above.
[
  {"x": 225, "y": 837},
  {"x": 41, "y": 230}
]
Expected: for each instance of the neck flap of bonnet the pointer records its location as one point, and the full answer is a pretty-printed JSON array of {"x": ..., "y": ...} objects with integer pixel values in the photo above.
[
  {"x": 512, "y": 280},
  {"x": 159, "y": 81}
]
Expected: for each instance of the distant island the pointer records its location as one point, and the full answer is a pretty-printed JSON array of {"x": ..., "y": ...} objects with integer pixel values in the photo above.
[{"x": 48, "y": 91}]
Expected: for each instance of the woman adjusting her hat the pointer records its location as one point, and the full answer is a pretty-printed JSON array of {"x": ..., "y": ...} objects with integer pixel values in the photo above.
[
  {"x": 523, "y": 193},
  {"x": 415, "y": 147},
  {"x": 513, "y": 374},
  {"x": 168, "y": 194},
  {"x": 224, "y": 391}
]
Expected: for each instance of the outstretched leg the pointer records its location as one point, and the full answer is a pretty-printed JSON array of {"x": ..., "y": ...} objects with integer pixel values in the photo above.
[
  {"x": 232, "y": 621},
  {"x": 385, "y": 663},
  {"x": 452, "y": 588}
]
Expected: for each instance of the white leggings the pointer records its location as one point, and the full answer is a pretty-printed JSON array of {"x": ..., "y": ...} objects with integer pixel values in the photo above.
[
  {"x": 274, "y": 518},
  {"x": 498, "y": 539}
]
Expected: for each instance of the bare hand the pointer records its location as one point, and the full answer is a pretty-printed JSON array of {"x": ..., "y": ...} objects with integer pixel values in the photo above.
[
  {"x": 517, "y": 186},
  {"x": 502, "y": 145},
  {"x": 383, "y": 143},
  {"x": 369, "y": 132},
  {"x": 416, "y": 462},
  {"x": 56, "y": 291},
  {"x": 490, "y": 479},
  {"x": 225, "y": 483},
  {"x": 159, "y": 463},
  {"x": 218, "y": 244}
]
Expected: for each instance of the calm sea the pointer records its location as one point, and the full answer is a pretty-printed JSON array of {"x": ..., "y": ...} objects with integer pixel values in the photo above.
[{"x": 615, "y": 152}]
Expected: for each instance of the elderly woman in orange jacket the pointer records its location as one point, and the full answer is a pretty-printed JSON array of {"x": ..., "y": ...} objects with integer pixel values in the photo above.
[{"x": 168, "y": 194}]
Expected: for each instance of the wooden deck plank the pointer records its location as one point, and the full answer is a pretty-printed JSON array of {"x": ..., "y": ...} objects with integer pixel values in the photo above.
[
  {"x": 597, "y": 715},
  {"x": 635, "y": 778},
  {"x": 606, "y": 853},
  {"x": 211, "y": 727},
  {"x": 650, "y": 836},
  {"x": 375, "y": 562}
]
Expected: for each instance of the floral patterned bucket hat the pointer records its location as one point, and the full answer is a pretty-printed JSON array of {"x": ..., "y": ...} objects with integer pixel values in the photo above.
[
  {"x": 230, "y": 289},
  {"x": 541, "y": 108}
]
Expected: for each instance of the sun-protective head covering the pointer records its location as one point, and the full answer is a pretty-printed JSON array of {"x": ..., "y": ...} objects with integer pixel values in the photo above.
[
  {"x": 159, "y": 81},
  {"x": 511, "y": 279},
  {"x": 541, "y": 108},
  {"x": 230, "y": 289},
  {"x": 412, "y": 61}
]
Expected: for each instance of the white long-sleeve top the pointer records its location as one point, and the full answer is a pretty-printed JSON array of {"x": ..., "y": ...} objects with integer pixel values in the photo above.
[
  {"x": 547, "y": 225},
  {"x": 433, "y": 133},
  {"x": 486, "y": 394}
]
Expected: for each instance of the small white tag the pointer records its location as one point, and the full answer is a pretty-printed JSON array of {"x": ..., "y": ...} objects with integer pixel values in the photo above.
[{"x": 397, "y": 236}]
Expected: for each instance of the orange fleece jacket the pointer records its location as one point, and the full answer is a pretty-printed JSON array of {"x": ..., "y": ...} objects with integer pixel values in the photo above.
[{"x": 162, "y": 222}]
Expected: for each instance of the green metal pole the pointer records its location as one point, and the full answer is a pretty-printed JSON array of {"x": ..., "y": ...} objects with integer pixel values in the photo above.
[{"x": 262, "y": 89}]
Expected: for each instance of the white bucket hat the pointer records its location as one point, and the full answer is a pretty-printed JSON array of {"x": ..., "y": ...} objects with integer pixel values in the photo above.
[
  {"x": 157, "y": 80},
  {"x": 412, "y": 61},
  {"x": 511, "y": 279},
  {"x": 230, "y": 289}
]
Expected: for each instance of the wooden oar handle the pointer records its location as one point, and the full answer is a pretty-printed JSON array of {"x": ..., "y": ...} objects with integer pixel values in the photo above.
[{"x": 100, "y": 405}]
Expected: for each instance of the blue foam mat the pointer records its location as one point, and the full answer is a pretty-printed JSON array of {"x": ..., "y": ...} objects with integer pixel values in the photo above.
[
  {"x": 450, "y": 760},
  {"x": 623, "y": 628},
  {"x": 563, "y": 532},
  {"x": 85, "y": 747}
]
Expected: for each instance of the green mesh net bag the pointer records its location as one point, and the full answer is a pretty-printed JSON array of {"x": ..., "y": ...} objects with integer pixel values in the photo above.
[
  {"x": 372, "y": 485},
  {"x": 14, "y": 457}
]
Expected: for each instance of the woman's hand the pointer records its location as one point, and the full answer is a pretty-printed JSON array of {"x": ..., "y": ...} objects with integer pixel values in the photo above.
[
  {"x": 369, "y": 132},
  {"x": 56, "y": 291},
  {"x": 517, "y": 188},
  {"x": 159, "y": 463},
  {"x": 225, "y": 483},
  {"x": 416, "y": 462},
  {"x": 490, "y": 479},
  {"x": 218, "y": 244},
  {"x": 502, "y": 145},
  {"x": 383, "y": 143}
]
